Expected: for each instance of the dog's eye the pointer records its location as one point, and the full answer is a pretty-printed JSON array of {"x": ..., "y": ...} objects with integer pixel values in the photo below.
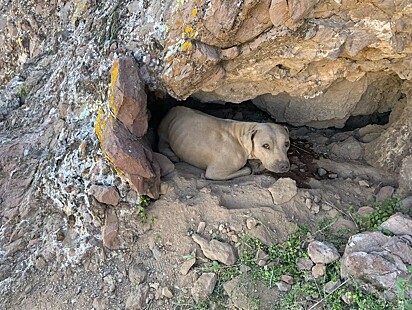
[
  {"x": 266, "y": 146},
  {"x": 287, "y": 143}
]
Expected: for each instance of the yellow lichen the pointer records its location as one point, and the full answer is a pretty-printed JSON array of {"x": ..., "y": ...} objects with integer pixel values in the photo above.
[
  {"x": 115, "y": 76},
  {"x": 187, "y": 46},
  {"x": 194, "y": 12}
]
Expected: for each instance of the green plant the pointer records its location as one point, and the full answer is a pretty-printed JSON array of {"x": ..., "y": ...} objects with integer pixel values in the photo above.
[
  {"x": 22, "y": 91},
  {"x": 142, "y": 203},
  {"x": 403, "y": 286},
  {"x": 382, "y": 211}
]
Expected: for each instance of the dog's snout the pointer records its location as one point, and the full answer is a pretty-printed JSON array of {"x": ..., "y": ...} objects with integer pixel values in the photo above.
[{"x": 284, "y": 166}]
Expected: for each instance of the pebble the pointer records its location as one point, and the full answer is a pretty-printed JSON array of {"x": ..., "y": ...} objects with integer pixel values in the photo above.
[
  {"x": 251, "y": 223},
  {"x": 363, "y": 183},
  {"x": 166, "y": 292},
  {"x": 287, "y": 279},
  {"x": 204, "y": 286},
  {"x": 322, "y": 172},
  {"x": 332, "y": 176},
  {"x": 318, "y": 270},
  {"x": 322, "y": 253},
  {"x": 282, "y": 286},
  {"x": 201, "y": 227}
]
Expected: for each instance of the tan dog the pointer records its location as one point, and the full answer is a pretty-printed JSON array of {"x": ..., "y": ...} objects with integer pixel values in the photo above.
[{"x": 220, "y": 146}]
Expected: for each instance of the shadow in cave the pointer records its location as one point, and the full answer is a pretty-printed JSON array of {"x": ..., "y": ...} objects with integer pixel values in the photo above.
[{"x": 301, "y": 154}]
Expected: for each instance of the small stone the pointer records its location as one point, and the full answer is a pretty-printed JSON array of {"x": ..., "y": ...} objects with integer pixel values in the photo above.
[
  {"x": 363, "y": 183},
  {"x": 398, "y": 224},
  {"x": 184, "y": 269},
  {"x": 304, "y": 264},
  {"x": 100, "y": 303},
  {"x": 221, "y": 227},
  {"x": 110, "y": 230},
  {"x": 287, "y": 279},
  {"x": 321, "y": 172},
  {"x": 251, "y": 223},
  {"x": 326, "y": 207},
  {"x": 216, "y": 250},
  {"x": 331, "y": 286},
  {"x": 260, "y": 254},
  {"x": 283, "y": 190},
  {"x": 204, "y": 286},
  {"x": 332, "y": 175},
  {"x": 261, "y": 262},
  {"x": 318, "y": 270},
  {"x": 363, "y": 211},
  {"x": 40, "y": 263},
  {"x": 137, "y": 273},
  {"x": 385, "y": 193},
  {"x": 201, "y": 227},
  {"x": 406, "y": 203},
  {"x": 282, "y": 286},
  {"x": 234, "y": 238},
  {"x": 308, "y": 203},
  {"x": 322, "y": 253},
  {"x": 166, "y": 292},
  {"x": 105, "y": 194}
]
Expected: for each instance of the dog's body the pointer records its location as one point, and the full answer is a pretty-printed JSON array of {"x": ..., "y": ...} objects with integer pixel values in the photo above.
[{"x": 220, "y": 146}]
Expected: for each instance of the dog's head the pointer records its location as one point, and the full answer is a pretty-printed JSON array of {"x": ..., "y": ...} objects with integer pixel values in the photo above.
[{"x": 269, "y": 143}]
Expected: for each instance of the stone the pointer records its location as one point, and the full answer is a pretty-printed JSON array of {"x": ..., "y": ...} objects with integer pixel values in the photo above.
[
  {"x": 376, "y": 261},
  {"x": 319, "y": 270},
  {"x": 398, "y": 224},
  {"x": 137, "y": 297},
  {"x": 128, "y": 98},
  {"x": 201, "y": 227},
  {"x": 406, "y": 203},
  {"x": 110, "y": 230},
  {"x": 166, "y": 292},
  {"x": 350, "y": 149},
  {"x": 282, "y": 286},
  {"x": 331, "y": 286},
  {"x": 266, "y": 235},
  {"x": 131, "y": 156},
  {"x": 105, "y": 194},
  {"x": 15, "y": 246},
  {"x": 187, "y": 264},
  {"x": 204, "y": 286},
  {"x": 363, "y": 211},
  {"x": 322, "y": 253},
  {"x": 321, "y": 172},
  {"x": 304, "y": 263},
  {"x": 216, "y": 250},
  {"x": 363, "y": 183},
  {"x": 137, "y": 273},
  {"x": 385, "y": 193},
  {"x": 251, "y": 223},
  {"x": 287, "y": 279},
  {"x": 283, "y": 190}
]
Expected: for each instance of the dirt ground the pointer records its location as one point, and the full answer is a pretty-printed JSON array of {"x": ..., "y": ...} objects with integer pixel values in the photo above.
[{"x": 61, "y": 262}]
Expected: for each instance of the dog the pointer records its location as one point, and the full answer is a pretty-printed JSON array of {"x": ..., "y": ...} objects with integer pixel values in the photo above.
[{"x": 221, "y": 146}]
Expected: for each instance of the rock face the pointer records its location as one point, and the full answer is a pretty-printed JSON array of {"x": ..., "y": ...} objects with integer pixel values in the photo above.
[
  {"x": 121, "y": 131},
  {"x": 377, "y": 261}
]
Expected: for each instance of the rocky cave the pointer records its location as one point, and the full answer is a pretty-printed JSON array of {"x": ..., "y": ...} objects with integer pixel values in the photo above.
[{"x": 93, "y": 217}]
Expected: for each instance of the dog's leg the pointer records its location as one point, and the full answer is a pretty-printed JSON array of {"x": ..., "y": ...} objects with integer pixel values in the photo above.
[
  {"x": 165, "y": 149},
  {"x": 214, "y": 173}
]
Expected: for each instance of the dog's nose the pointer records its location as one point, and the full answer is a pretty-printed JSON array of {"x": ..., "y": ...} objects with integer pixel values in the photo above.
[{"x": 284, "y": 166}]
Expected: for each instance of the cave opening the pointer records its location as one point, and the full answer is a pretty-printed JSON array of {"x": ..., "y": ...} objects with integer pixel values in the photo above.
[{"x": 308, "y": 144}]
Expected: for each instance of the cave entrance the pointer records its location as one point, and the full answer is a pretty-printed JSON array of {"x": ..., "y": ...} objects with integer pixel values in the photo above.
[{"x": 308, "y": 144}]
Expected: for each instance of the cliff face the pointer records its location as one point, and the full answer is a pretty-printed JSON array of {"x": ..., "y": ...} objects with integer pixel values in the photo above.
[{"x": 306, "y": 62}]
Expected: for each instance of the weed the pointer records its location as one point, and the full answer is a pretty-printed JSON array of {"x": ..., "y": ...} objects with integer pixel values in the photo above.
[
  {"x": 22, "y": 91},
  {"x": 382, "y": 211},
  {"x": 142, "y": 203}
]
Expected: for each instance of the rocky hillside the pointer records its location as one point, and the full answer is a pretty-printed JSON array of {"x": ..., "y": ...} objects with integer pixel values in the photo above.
[{"x": 74, "y": 231}]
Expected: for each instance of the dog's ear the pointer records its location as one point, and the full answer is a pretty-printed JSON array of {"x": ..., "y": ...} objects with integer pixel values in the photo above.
[{"x": 247, "y": 140}]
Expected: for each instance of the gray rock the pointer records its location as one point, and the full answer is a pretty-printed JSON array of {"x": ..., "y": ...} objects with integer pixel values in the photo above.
[
  {"x": 137, "y": 298},
  {"x": 376, "y": 261},
  {"x": 166, "y": 292},
  {"x": 137, "y": 273},
  {"x": 350, "y": 149},
  {"x": 282, "y": 286},
  {"x": 406, "y": 203},
  {"x": 304, "y": 263},
  {"x": 385, "y": 193},
  {"x": 331, "y": 286},
  {"x": 363, "y": 211},
  {"x": 216, "y": 250},
  {"x": 251, "y": 223},
  {"x": 186, "y": 265},
  {"x": 322, "y": 172},
  {"x": 204, "y": 286},
  {"x": 283, "y": 190},
  {"x": 398, "y": 224},
  {"x": 322, "y": 253}
]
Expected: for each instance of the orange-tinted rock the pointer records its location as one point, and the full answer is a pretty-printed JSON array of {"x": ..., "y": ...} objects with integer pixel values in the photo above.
[
  {"x": 128, "y": 98},
  {"x": 131, "y": 156}
]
